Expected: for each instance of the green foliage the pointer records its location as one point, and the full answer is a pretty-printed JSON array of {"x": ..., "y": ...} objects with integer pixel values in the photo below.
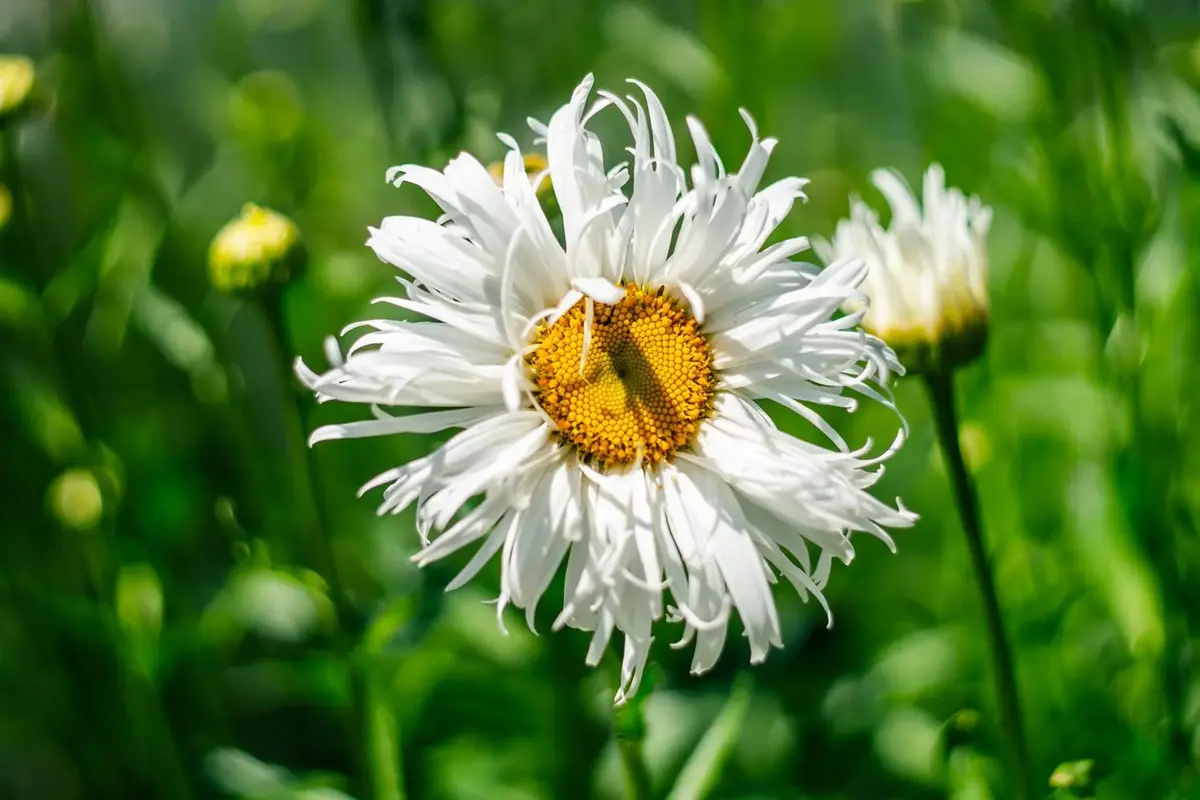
[{"x": 181, "y": 616}]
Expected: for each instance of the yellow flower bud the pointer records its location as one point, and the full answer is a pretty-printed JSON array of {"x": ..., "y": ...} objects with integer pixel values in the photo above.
[
  {"x": 926, "y": 283},
  {"x": 76, "y": 499},
  {"x": 6, "y": 205},
  {"x": 259, "y": 249},
  {"x": 16, "y": 85},
  {"x": 537, "y": 169}
]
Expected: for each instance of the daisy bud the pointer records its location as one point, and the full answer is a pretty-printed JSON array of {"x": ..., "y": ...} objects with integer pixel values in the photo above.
[
  {"x": 927, "y": 273},
  {"x": 16, "y": 85},
  {"x": 258, "y": 249}
]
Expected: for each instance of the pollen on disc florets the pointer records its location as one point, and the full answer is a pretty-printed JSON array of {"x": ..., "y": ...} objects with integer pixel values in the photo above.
[{"x": 645, "y": 384}]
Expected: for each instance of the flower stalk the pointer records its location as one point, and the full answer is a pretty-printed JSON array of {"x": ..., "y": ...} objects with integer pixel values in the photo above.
[
  {"x": 380, "y": 746},
  {"x": 940, "y": 385},
  {"x": 629, "y": 730},
  {"x": 629, "y": 723},
  {"x": 255, "y": 256}
]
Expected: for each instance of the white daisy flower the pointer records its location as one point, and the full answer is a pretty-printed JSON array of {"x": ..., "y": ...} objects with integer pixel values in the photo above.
[
  {"x": 607, "y": 386},
  {"x": 927, "y": 277}
]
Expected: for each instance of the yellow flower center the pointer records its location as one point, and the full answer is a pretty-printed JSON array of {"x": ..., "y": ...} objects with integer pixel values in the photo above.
[{"x": 643, "y": 386}]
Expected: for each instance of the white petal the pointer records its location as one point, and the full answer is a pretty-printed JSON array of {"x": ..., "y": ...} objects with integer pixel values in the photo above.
[
  {"x": 413, "y": 423},
  {"x": 599, "y": 289}
]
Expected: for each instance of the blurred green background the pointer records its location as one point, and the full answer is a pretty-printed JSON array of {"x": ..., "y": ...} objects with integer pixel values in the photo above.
[{"x": 166, "y": 623}]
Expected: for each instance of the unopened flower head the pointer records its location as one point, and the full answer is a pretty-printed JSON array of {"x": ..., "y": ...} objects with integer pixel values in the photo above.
[
  {"x": 927, "y": 278},
  {"x": 607, "y": 386},
  {"x": 16, "y": 85},
  {"x": 257, "y": 250}
]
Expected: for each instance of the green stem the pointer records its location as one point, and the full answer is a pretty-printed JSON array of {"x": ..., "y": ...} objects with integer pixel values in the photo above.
[
  {"x": 573, "y": 720},
  {"x": 20, "y": 225},
  {"x": 382, "y": 735},
  {"x": 629, "y": 729},
  {"x": 160, "y": 747},
  {"x": 322, "y": 553},
  {"x": 703, "y": 768},
  {"x": 941, "y": 393},
  {"x": 637, "y": 774},
  {"x": 379, "y": 748}
]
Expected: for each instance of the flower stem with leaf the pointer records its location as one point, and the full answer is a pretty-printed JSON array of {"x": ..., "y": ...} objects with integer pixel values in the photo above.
[{"x": 256, "y": 255}]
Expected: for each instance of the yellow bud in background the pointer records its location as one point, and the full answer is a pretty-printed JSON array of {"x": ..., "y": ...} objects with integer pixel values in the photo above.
[
  {"x": 76, "y": 499},
  {"x": 259, "y": 249},
  {"x": 16, "y": 85},
  {"x": 6, "y": 205},
  {"x": 537, "y": 170}
]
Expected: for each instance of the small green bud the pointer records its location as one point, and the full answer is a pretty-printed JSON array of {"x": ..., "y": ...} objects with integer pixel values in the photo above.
[
  {"x": 16, "y": 85},
  {"x": 139, "y": 601},
  {"x": 259, "y": 249},
  {"x": 1073, "y": 775},
  {"x": 961, "y": 730}
]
